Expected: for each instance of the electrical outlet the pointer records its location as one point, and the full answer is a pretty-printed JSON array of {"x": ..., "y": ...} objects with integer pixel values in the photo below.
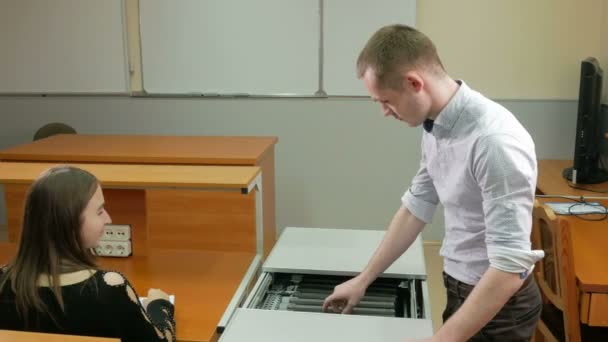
[
  {"x": 122, "y": 232},
  {"x": 115, "y": 241},
  {"x": 116, "y": 232},
  {"x": 113, "y": 248}
]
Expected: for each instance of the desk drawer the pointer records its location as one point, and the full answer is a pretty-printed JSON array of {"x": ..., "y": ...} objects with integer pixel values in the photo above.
[
  {"x": 594, "y": 309},
  {"x": 387, "y": 297},
  {"x": 302, "y": 270},
  {"x": 287, "y": 307},
  {"x": 598, "y": 310}
]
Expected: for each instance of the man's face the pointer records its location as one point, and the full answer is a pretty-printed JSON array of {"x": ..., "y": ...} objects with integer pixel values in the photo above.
[{"x": 408, "y": 104}]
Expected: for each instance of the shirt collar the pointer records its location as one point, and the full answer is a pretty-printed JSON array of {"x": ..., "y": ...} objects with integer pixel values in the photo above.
[{"x": 448, "y": 116}]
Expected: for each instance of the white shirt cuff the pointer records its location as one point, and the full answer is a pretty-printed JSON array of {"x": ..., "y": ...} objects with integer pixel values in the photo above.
[
  {"x": 421, "y": 209},
  {"x": 514, "y": 260}
]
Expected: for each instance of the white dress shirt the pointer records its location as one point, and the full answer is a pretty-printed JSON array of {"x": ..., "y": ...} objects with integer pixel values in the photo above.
[{"x": 480, "y": 163}]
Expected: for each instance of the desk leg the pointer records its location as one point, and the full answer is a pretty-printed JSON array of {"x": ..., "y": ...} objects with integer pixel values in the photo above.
[
  {"x": 585, "y": 299},
  {"x": 251, "y": 275},
  {"x": 270, "y": 226},
  {"x": 241, "y": 292},
  {"x": 259, "y": 216}
]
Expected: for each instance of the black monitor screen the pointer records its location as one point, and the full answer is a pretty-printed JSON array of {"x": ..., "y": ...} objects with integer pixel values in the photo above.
[{"x": 586, "y": 163}]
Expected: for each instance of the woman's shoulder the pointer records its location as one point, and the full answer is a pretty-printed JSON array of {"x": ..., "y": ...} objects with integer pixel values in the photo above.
[
  {"x": 114, "y": 282},
  {"x": 115, "y": 287},
  {"x": 112, "y": 278}
]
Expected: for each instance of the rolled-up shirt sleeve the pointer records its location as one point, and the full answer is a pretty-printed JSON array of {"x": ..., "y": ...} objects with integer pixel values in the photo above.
[
  {"x": 421, "y": 198},
  {"x": 505, "y": 170}
]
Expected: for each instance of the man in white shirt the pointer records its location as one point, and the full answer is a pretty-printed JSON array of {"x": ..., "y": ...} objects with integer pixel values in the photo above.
[{"x": 479, "y": 162}]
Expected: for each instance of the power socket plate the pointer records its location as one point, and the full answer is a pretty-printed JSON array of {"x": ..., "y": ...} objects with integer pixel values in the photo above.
[
  {"x": 119, "y": 249},
  {"x": 116, "y": 232}
]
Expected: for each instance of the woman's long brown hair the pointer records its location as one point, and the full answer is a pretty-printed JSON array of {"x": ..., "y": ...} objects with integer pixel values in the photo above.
[{"x": 50, "y": 241}]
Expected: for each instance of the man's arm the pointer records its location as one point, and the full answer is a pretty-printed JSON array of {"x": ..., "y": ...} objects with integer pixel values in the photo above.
[
  {"x": 418, "y": 205},
  {"x": 400, "y": 234},
  {"x": 487, "y": 298}
]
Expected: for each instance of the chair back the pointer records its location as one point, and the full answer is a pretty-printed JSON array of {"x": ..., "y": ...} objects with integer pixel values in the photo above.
[
  {"x": 53, "y": 128},
  {"x": 555, "y": 272},
  {"x": 544, "y": 236}
]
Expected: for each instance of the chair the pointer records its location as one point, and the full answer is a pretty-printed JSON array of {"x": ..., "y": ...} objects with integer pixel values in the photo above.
[
  {"x": 560, "y": 318},
  {"x": 53, "y": 128},
  {"x": 555, "y": 277}
]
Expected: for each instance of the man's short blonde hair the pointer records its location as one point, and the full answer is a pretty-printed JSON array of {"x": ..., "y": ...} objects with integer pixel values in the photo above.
[{"x": 394, "y": 49}]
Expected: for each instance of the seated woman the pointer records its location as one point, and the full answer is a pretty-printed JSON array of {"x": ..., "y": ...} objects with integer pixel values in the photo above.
[{"x": 54, "y": 285}]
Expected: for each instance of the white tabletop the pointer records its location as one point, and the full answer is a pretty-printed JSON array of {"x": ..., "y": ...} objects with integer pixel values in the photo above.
[
  {"x": 338, "y": 252},
  {"x": 279, "y": 326}
]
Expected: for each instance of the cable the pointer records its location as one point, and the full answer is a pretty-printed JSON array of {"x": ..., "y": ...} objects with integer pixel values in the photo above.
[
  {"x": 571, "y": 198},
  {"x": 579, "y": 216},
  {"x": 581, "y": 200}
]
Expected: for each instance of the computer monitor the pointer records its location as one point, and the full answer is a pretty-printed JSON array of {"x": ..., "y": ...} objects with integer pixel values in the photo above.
[{"x": 586, "y": 164}]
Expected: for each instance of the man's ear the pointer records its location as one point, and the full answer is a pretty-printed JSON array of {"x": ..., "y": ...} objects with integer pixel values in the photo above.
[{"x": 413, "y": 81}]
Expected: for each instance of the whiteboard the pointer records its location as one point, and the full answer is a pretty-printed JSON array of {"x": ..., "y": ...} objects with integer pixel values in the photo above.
[
  {"x": 62, "y": 46},
  {"x": 230, "y": 46},
  {"x": 348, "y": 24}
]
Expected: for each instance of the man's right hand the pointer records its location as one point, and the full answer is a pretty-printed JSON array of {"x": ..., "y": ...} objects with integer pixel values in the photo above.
[{"x": 345, "y": 296}]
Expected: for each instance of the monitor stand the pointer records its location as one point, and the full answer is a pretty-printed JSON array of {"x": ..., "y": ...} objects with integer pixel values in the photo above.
[{"x": 594, "y": 177}]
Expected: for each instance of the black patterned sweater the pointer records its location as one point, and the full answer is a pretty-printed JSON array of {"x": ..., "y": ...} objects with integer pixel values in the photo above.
[{"x": 104, "y": 305}]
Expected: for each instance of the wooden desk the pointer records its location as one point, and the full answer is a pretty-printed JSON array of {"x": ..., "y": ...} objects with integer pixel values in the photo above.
[
  {"x": 551, "y": 182},
  {"x": 145, "y": 149},
  {"x": 172, "y": 208},
  {"x": 208, "y": 284},
  {"x": 222, "y": 220},
  {"x": 589, "y": 242},
  {"x": 20, "y": 336}
]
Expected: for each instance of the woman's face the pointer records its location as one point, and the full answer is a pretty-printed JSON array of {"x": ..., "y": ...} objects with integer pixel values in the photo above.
[{"x": 94, "y": 218}]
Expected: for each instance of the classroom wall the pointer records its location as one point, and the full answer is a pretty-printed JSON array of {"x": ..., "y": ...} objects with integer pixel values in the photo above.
[
  {"x": 339, "y": 163},
  {"x": 516, "y": 49}
]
